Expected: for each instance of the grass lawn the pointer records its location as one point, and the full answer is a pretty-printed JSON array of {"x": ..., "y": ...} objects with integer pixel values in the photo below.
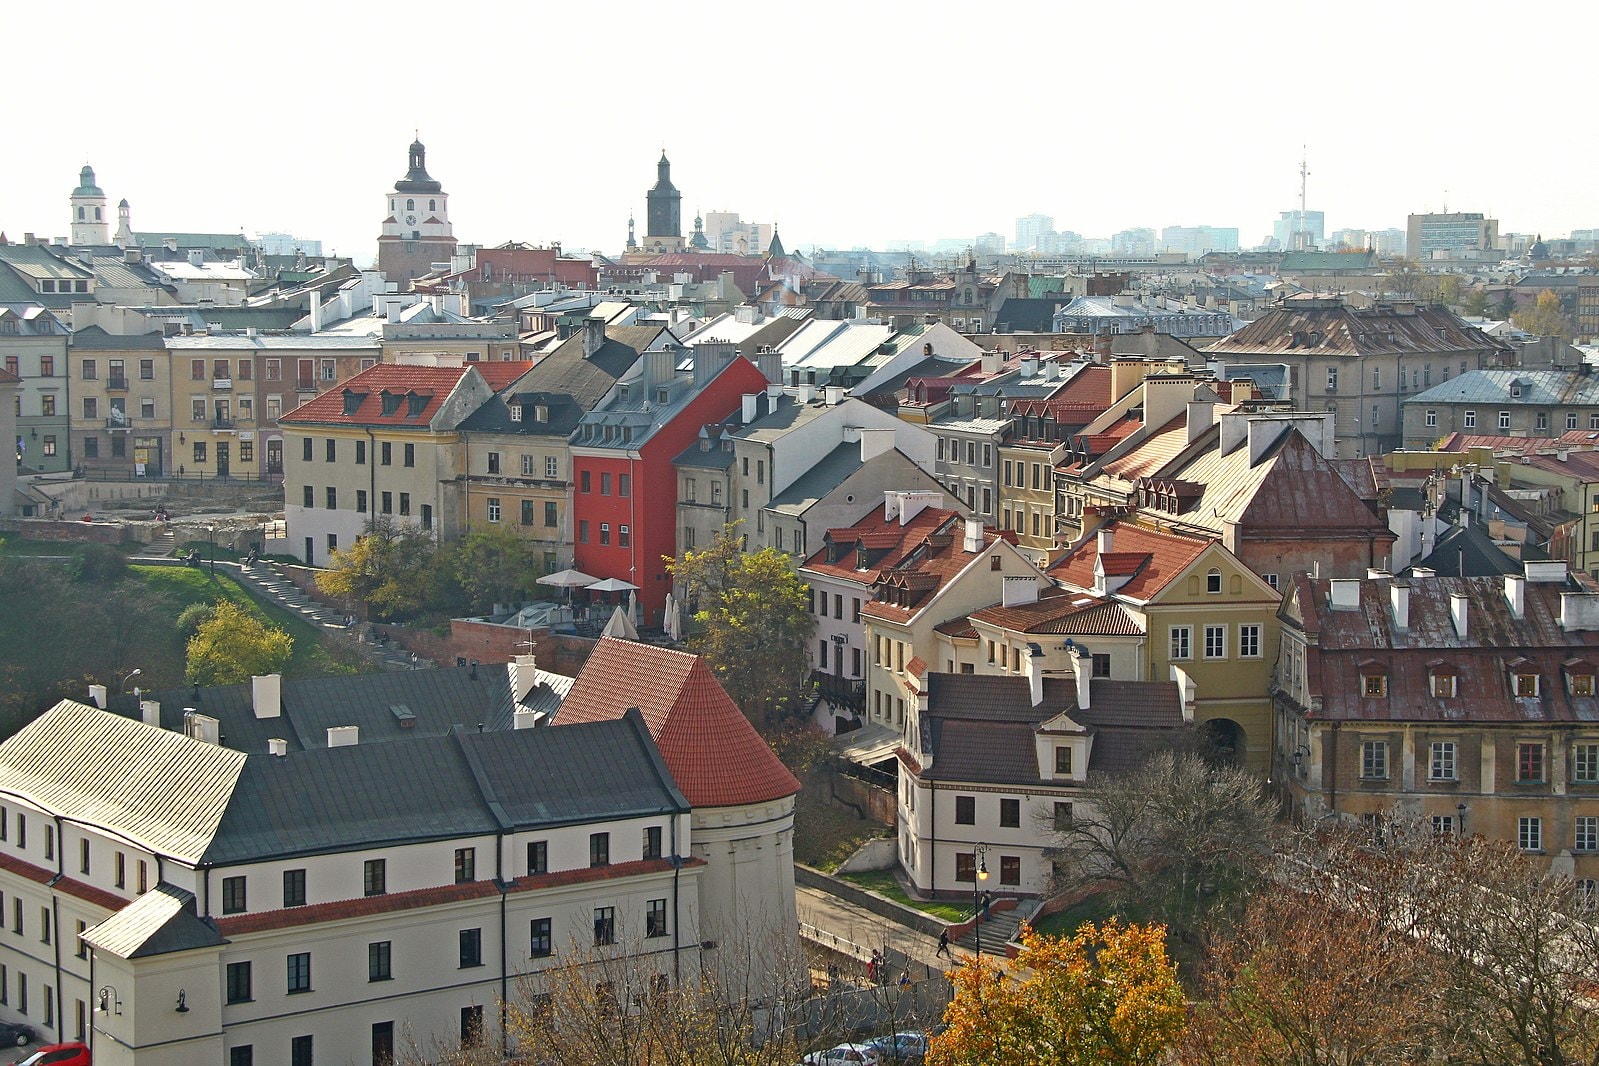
[
  {"x": 884, "y": 883},
  {"x": 315, "y": 654}
]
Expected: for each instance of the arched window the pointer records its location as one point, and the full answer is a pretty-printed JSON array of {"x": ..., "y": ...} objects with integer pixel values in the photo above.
[
  {"x": 1213, "y": 581},
  {"x": 80, "y": 214},
  {"x": 97, "y": 214},
  {"x": 433, "y": 205},
  {"x": 410, "y": 205}
]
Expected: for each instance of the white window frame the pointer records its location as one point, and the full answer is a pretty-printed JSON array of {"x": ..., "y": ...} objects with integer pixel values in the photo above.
[
  {"x": 1215, "y": 642},
  {"x": 1529, "y": 833},
  {"x": 1181, "y": 643},
  {"x": 1586, "y": 836},
  {"x": 1443, "y": 761},
  {"x": 1374, "y": 760},
  {"x": 1585, "y": 763},
  {"x": 1249, "y": 640}
]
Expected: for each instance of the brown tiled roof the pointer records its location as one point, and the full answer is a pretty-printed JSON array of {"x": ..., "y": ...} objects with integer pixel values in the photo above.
[
  {"x": 1167, "y": 555},
  {"x": 68, "y": 885},
  {"x": 1061, "y": 611},
  {"x": 432, "y": 383},
  {"x": 878, "y": 534},
  {"x": 716, "y": 757},
  {"x": 1323, "y": 327},
  {"x": 956, "y": 627},
  {"x": 1154, "y": 452},
  {"x": 930, "y": 572}
]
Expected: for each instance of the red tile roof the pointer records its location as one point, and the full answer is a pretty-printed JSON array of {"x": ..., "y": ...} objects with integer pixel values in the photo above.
[
  {"x": 925, "y": 576},
  {"x": 435, "y": 383},
  {"x": 1165, "y": 555},
  {"x": 71, "y": 886},
  {"x": 1062, "y": 611},
  {"x": 1154, "y": 452},
  {"x": 716, "y": 757},
  {"x": 879, "y": 534},
  {"x": 500, "y": 373}
]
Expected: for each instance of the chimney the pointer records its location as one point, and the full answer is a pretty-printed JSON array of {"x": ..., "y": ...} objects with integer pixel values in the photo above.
[
  {"x": 1035, "y": 673},
  {"x": 1579, "y": 610},
  {"x": 266, "y": 695},
  {"x": 1083, "y": 670},
  {"x": 1423, "y": 571},
  {"x": 770, "y": 362},
  {"x": 196, "y": 257},
  {"x": 1457, "y": 611},
  {"x": 150, "y": 713},
  {"x": 1029, "y": 365},
  {"x": 344, "y": 736},
  {"x": 523, "y": 718},
  {"x": 277, "y": 746},
  {"x": 1516, "y": 595},
  {"x": 974, "y": 535},
  {"x": 659, "y": 367},
  {"x": 593, "y": 335},
  {"x": 1201, "y": 416},
  {"x": 524, "y": 675},
  {"x": 875, "y": 442},
  {"x": 391, "y": 311},
  {"x": 709, "y": 358},
  {"x": 834, "y": 394},
  {"x": 992, "y": 361},
  {"x": 316, "y": 312},
  {"x": 1105, "y": 540},
  {"x": 97, "y": 693},
  {"x": 1399, "y": 596},
  {"x": 906, "y": 505},
  {"x": 1345, "y": 593},
  {"x": 1017, "y": 590},
  {"x": 132, "y": 255},
  {"x": 751, "y": 402}
]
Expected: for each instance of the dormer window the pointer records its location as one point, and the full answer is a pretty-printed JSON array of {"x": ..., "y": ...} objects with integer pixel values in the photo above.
[
  {"x": 541, "y": 412},
  {"x": 1523, "y": 678},
  {"x": 1374, "y": 685},
  {"x": 662, "y": 394},
  {"x": 414, "y": 404},
  {"x": 1582, "y": 684},
  {"x": 391, "y": 402},
  {"x": 1444, "y": 686},
  {"x": 352, "y": 401},
  {"x": 1526, "y": 685},
  {"x": 1579, "y": 676},
  {"x": 1063, "y": 760},
  {"x": 516, "y": 412}
]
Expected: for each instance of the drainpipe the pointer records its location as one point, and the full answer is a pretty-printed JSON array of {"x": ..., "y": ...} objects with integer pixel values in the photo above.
[
  {"x": 55, "y": 919},
  {"x": 371, "y": 474},
  {"x": 677, "y": 929},
  {"x": 505, "y": 978},
  {"x": 1332, "y": 793}
]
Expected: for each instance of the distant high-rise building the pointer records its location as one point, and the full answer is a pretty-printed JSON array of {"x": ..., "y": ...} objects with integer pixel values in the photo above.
[
  {"x": 1195, "y": 241},
  {"x": 1136, "y": 242},
  {"x": 1032, "y": 232},
  {"x": 1300, "y": 231},
  {"x": 1456, "y": 235},
  {"x": 989, "y": 244}
]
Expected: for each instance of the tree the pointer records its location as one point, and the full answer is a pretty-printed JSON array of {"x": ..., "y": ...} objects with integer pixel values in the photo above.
[
  {"x": 390, "y": 568},
  {"x": 1177, "y": 835},
  {"x": 1406, "y": 278},
  {"x": 754, "y": 618},
  {"x": 233, "y": 646},
  {"x": 1477, "y": 303},
  {"x": 492, "y": 566},
  {"x": 1544, "y": 318},
  {"x": 1106, "y": 994},
  {"x": 1506, "y": 305},
  {"x": 1449, "y": 290}
]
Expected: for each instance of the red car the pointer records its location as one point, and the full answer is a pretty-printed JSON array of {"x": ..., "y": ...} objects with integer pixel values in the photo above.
[{"x": 74, "y": 1053}]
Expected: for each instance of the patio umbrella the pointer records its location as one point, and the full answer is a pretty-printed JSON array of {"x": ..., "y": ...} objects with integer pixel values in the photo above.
[
  {"x": 620, "y": 625},
  {"x": 611, "y": 584},
  {"x": 567, "y": 579},
  {"x": 669, "y": 622}
]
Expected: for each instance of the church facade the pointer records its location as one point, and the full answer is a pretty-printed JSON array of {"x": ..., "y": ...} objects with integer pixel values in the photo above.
[{"x": 416, "y": 231}]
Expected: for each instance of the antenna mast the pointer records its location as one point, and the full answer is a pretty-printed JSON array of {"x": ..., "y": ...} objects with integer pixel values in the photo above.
[{"x": 1304, "y": 175}]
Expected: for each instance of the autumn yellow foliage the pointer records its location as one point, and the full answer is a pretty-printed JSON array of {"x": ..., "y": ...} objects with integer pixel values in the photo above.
[{"x": 1107, "y": 994}]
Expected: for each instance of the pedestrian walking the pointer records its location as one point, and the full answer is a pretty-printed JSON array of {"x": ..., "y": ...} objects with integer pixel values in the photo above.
[
  {"x": 905, "y": 979},
  {"x": 943, "y": 945},
  {"x": 988, "y": 898},
  {"x": 873, "y": 965}
]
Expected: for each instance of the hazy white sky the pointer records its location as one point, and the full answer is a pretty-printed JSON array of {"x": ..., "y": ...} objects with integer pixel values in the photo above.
[{"x": 845, "y": 123}]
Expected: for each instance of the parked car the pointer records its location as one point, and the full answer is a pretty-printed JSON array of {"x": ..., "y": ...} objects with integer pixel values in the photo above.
[
  {"x": 842, "y": 1055},
  {"x": 907, "y": 1047},
  {"x": 74, "y": 1053},
  {"x": 15, "y": 1034}
]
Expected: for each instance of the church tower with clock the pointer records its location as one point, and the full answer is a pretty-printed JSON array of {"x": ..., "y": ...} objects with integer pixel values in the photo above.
[{"x": 416, "y": 231}]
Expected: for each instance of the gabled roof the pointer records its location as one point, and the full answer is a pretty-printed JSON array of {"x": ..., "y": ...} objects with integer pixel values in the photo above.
[
  {"x": 715, "y": 755},
  {"x": 429, "y": 385},
  {"x": 1059, "y": 611},
  {"x": 1160, "y": 558},
  {"x": 1323, "y": 326},
  {"x": 886, "y": 540},
  {"x": 161, "y": 921}
]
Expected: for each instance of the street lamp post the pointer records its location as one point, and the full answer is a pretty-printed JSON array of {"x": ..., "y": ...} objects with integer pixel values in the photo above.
[
  {"x": 135, "y": 673},
  {"x": 213, "y": 531},
  {"x": 981, "y": 875}
]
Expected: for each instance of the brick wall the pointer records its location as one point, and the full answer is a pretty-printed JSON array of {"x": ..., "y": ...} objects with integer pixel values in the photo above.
[{"x": 75, "y": 532}]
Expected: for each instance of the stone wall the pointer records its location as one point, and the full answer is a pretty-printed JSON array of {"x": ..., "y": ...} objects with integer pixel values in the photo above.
[{"x": 75, "y": 532}]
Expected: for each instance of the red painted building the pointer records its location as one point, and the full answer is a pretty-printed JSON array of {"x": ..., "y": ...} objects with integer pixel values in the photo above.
[{"x": 625, "y": 488}]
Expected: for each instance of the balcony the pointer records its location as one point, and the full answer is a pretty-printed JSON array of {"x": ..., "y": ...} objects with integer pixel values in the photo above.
[
  {"x": 117, "y": 384},
  {"x": 840, "y": 691},
  {"x": 122, "y": 423},
  {"x": 221, "y": 384},
  {"x": 221, "y": 423}
]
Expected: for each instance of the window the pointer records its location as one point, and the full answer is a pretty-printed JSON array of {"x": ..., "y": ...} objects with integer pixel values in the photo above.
[
  {"x": 233, "y": 895},
  {"x": 604, "y": 926},
  {"x": 465, "y": 865},
  {"x": 1587, "y": 832},
  {"x": 300, "y": 1051},
  {"x": 1529, "y": 834},
  {"x": 494, "y": 462},
  {"x": 965, "y": 810},
  {"x": 1063, "y": 760},
  {"x": 1582, "y": 684},
  {"x": 121, "y": 870},
  {"x": 410, "y": 455},
  {"x": 540, "y": 939},
  {"x": 1529, "y": 761},
  {"x": 965, "y": 866},
  {"x": 199, "y": 451},
  {"x": 1213, "y": 581},
  {"x": 605, "y": 532},
  {"x": 605, "y": 484},
  {"x": 599, "y": 849},
  {"x": 1526, "y": 685},
  {"x": 1571, "y": 420},
  {"x": 1215, "y": 642},
  {"x": 1542, "y": 420},
  {"x": 655, "y": 918},
  {"x": 382, "y": 1044},
  {"x": 89, "y": 371},
  {"x": 1443, "y": 685},
  {"x": 623, "y": 536},
  {"x": 471, "y": 1026},
  {"x": 385, "y": 453},
  {"x": 299, "y": 972},
  {"x": 360, "y": 498},
  {"x": 294, "y": 888},
  {"x": 1374, "y": 760},
  {"x": 1374, "y": 686},
  {"x": 1432, "y": 419},
  {"x": 331, "y": 447},
  {"x": 1504, "y": 419},
  {"x": 374, "y": 877},
  {"x": 624, "y": 484},
  {"x": 1010, "y": 869},
  {"x": 147, "y": 408},
  {"x": 551, "y": 514},
  {"x": 405, "y": 504},
  {"x": 47, "y": 405},
  {"x": 49, "y": 841},
  {"x": 333, "y": 498},
  {"x": 1010, "y": 813},
  {"x": 239, "y": 982},
  {"x": 144, "y": 879},
  {"x": 1332, "y": 379},
  {"x": 387, "y": 500},
  {"x": 1585, "y": 763},
  {"x": 1249, "y": 641},
  {"x": 379, "y": 959},
  {"x": 1181, "y": 647},
  {"x": 47, "y": 366},
  {"x": 83, "y": 855},
  {"x": 494, "y": 508},
  {"x": 1469, "y": 420},
  {"x": 652, "y": 842},
  {"x": 583, "y": 531},
  {"x": 1063, "y": 815},
  {"x": 471, "y": 948},
  {"x": 1441, "y": 765},
  {"x": 538, "y": 857},
  {"x": 1443, "y": 825}
]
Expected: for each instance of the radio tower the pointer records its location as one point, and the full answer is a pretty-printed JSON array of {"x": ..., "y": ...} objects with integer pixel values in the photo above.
[{"x": 1302, "y": 234}]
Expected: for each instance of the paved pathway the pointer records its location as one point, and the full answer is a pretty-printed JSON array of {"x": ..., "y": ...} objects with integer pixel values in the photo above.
[{"x": 856, "y": 931}]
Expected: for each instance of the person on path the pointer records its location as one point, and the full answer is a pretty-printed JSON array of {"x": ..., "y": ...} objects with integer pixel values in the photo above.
[
  {"x": 987, "y": 899},
  {"x": 874, "y": 966},
  {"x": 943, "y": 945}
]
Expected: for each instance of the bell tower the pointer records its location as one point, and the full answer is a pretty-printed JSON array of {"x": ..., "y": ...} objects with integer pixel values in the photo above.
[
  {"x": 89, "y": 222},
  {"x": 416, "y": 232},
  {"x": 663, "y": 216}
]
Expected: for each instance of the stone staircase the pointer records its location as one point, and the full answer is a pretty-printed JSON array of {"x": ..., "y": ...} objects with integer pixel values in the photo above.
[
  {"x": 267, "y": 582},
  {"x": 161, "y": 547},
  {"x": 997, "y": 931}
]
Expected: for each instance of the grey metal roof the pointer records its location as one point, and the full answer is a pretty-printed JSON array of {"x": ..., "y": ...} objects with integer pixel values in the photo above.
[
  {"x": 825, "y": 475},
  {"x": 161, "y": 921},
  {"x": 1538, "y": 388},
  {"x": 158, "y": 788}
]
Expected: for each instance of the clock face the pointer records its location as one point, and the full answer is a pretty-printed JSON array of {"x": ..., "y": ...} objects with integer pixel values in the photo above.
[{"x": 410, "y": 220}]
